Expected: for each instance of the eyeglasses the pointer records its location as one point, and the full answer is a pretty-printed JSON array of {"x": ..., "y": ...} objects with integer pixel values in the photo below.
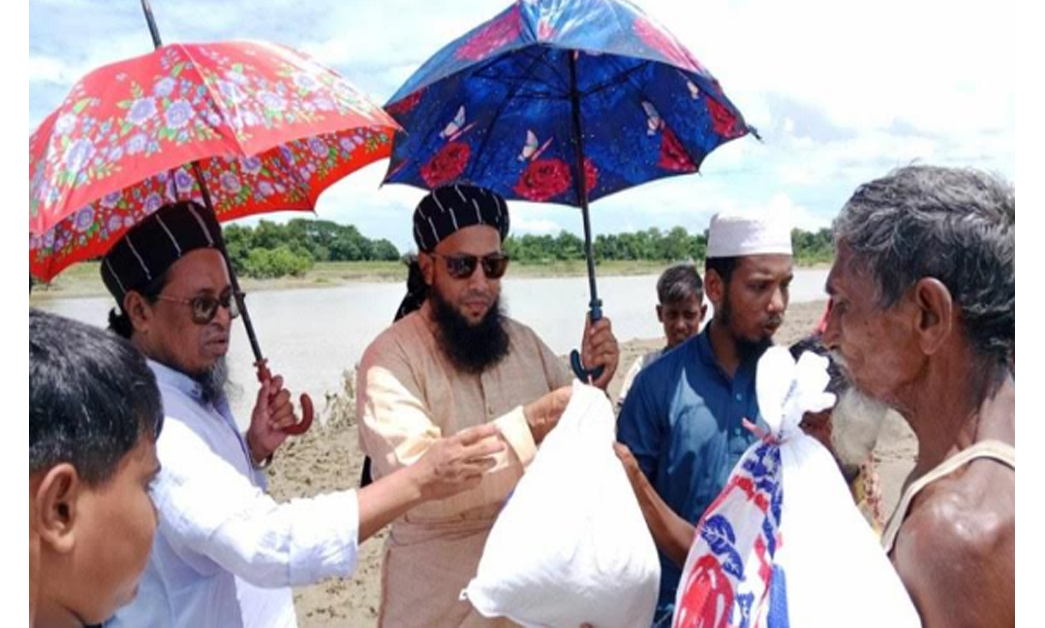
[
  {"x": 205, "y": 307},
  {"x": 462, "y": 266}
]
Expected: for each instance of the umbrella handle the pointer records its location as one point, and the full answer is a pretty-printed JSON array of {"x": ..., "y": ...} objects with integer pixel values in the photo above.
[
  {"x": 582, "y": 373},
  {"x": 307, "y": 409}
]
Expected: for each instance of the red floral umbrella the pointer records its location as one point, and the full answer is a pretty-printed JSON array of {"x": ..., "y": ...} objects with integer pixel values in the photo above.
[
  {"x": 242, "y": 127},
  {"x": 270, "y": 129}
]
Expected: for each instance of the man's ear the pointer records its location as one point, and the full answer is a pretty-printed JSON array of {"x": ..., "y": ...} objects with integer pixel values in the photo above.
[
  {"x": 54, "y": 507},
  {"x": 714, "y": 287},
  {"x": 138, "y": 309},
  {"x": 660, "y": 312},
  {"x": 935, "y": 313},
  {"x": 427, "y": 264}
]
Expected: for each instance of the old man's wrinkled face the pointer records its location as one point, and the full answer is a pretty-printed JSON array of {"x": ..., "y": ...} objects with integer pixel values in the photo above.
[
  {"x": 175, "y": 335},
  {"x": 872, "y": 345}
]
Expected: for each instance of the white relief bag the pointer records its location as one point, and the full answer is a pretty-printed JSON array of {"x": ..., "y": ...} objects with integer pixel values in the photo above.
[{"x": 571, "y": 545}]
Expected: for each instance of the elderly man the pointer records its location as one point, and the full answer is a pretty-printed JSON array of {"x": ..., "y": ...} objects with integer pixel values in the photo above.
[
  {"x": 226, "y": 553},
  {"x": 923, "y": 317},
  {"x": 682, "y": 419},
  {"x": 456, "y": 362},
  {"x": 94, "y": 415}
]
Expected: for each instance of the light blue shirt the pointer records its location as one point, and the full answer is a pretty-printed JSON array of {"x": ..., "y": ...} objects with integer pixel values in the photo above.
[
  {"x": 225, "y": 554},
  {"x": 682, "y": 420}
]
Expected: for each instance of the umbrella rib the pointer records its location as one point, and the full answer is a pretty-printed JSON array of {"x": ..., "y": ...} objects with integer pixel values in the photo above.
[
  {"x": 490, "y": 73},
  {"x": 216, "y": 98},
  {"x": 629, "y": 77},
  {"x": 493, "y": 120}
]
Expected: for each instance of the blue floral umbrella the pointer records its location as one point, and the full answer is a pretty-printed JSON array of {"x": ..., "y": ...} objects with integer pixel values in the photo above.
[{"x": 561, "y": 101}]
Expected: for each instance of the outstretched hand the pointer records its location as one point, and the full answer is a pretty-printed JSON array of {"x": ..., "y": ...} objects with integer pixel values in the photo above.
[{"x": 456, "y": 463}]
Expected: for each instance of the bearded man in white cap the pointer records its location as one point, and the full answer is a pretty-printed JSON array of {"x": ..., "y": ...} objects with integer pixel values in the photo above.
[{"x": 683, "y": 418}]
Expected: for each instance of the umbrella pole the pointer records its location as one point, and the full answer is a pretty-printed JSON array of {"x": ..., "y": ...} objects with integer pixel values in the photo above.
[
  {"x": 260, "y": 363},
  {"x": 259, "y": 360},
  {"x": 595, "y": 304}
]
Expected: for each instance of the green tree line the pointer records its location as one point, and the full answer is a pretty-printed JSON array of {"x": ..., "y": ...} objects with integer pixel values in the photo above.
[
  {"x": 275, "y": 250},
  {"x": 652, "y": 244}
]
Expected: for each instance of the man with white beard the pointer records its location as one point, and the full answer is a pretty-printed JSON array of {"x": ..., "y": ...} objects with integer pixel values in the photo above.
[{"x": 225, "y": 554}]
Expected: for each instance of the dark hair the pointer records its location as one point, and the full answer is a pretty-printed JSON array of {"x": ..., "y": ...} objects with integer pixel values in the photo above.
[
  {"x": 679, "y": 283},
  {"x": 91, "y": 397},
  {"x": 416, "y": 288},
  {"x": 955, "y": 225},
  {"x": 724, "y": 266},
  {"x": 839, "y": 382},
  {"x": 119, "y": 322}
]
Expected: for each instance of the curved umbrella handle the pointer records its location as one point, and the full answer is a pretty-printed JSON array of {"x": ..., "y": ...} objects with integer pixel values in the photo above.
[
  {"x": 582, "y": 373},
  {"x": 307, "y": 409}
]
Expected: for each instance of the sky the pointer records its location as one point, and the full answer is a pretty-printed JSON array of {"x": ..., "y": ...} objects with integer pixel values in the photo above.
[{"x": 841, "y": 92}]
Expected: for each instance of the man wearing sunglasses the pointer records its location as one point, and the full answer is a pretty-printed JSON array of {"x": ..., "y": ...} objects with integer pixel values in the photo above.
[
  {"x": 454, "y": 362},
  {"x": 225, "y": 554}
]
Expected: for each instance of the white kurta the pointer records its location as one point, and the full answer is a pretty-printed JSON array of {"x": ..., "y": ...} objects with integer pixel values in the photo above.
[{"x": 225, "y": 554}]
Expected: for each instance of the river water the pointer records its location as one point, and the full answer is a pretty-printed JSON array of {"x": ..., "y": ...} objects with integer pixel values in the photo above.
[{"x": 312, "y": 335}]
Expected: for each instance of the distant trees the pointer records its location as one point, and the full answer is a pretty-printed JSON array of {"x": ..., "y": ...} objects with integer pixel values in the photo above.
[
  {"x": 274, "y": 250},
  {"x": 651, "y": 244}
]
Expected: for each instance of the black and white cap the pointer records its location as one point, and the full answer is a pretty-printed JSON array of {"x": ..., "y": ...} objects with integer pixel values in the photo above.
[
  {"x": 146, "y": 251},
  {"x": 450, "y": 208}
]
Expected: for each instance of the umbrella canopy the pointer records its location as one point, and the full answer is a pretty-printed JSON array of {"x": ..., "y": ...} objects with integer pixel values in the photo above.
[
  {"x": 561, "y": 101},
  {"x": 270, "y": 129},
  {"x": 495, "y": 107}
]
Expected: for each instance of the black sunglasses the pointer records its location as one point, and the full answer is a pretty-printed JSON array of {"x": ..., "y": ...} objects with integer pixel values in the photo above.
[
  {"x": 205, "y": 307},
  {"x": 462, "y": 266}
]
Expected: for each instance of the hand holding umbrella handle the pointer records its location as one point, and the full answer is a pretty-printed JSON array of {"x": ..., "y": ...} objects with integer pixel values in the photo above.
[
  {"x": 582, "y": 373},
  {"x": 307, "y": 409}
]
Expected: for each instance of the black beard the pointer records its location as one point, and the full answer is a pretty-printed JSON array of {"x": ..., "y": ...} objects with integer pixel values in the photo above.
[
  {"x": 214, "y": 382},
  {"x": 745, "y": 349},
  {"x": 471, "y": 348},
  {"x": 748, "y": 350}
]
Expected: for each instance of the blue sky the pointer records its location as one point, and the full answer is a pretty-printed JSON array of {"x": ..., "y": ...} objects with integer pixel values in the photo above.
[{"x": 840, "y": 91}]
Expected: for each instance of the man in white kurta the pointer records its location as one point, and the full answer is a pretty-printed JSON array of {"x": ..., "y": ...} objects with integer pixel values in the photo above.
[
  {"x": 216, "y": 521},
  {"x": 225, "y": 554}
]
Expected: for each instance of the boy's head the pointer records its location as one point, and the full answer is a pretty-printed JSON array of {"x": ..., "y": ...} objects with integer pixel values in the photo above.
[
  {"x": 94, "y": 416},
  {"x": 681, "y": 309}
]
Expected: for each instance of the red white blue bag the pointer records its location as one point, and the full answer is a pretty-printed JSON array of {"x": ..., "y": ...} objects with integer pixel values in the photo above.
[{"x": 783, "y": 544}]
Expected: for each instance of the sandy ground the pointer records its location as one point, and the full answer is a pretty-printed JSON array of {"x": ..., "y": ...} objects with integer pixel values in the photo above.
[{"x": 328, "y": 458}]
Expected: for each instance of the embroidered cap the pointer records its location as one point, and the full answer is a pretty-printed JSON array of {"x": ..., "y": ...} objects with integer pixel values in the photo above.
[
  {"x": 448, "y": 209},
  {"x": 153, "y": 245}
]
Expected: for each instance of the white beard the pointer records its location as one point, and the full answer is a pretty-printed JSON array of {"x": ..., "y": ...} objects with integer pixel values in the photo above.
[{"x": 856, "y": 422}]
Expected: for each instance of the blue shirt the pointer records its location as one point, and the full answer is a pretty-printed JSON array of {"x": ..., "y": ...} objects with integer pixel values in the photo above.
[{"x": 682, "y": 420}]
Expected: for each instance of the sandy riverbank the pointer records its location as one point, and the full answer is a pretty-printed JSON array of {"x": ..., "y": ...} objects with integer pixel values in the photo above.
[{"x": 328, "y": 458}]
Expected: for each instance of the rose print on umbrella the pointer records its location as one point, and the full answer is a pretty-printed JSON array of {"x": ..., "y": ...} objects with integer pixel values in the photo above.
[
  {"x": 493, "y": 36},
  {"x": 447, "y": 164},
  {"x": 673, "y": 155}
]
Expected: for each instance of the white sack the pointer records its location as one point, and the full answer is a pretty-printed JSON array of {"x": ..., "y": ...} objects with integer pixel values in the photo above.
[{"x": 571, "y": 545}]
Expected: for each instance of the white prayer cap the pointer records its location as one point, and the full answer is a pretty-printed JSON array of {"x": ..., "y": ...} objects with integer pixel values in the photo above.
[{"x": 736, "y": 235}]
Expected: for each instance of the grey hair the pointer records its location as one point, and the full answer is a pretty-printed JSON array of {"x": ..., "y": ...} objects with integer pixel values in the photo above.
[{"x": 955, "y": 225}]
